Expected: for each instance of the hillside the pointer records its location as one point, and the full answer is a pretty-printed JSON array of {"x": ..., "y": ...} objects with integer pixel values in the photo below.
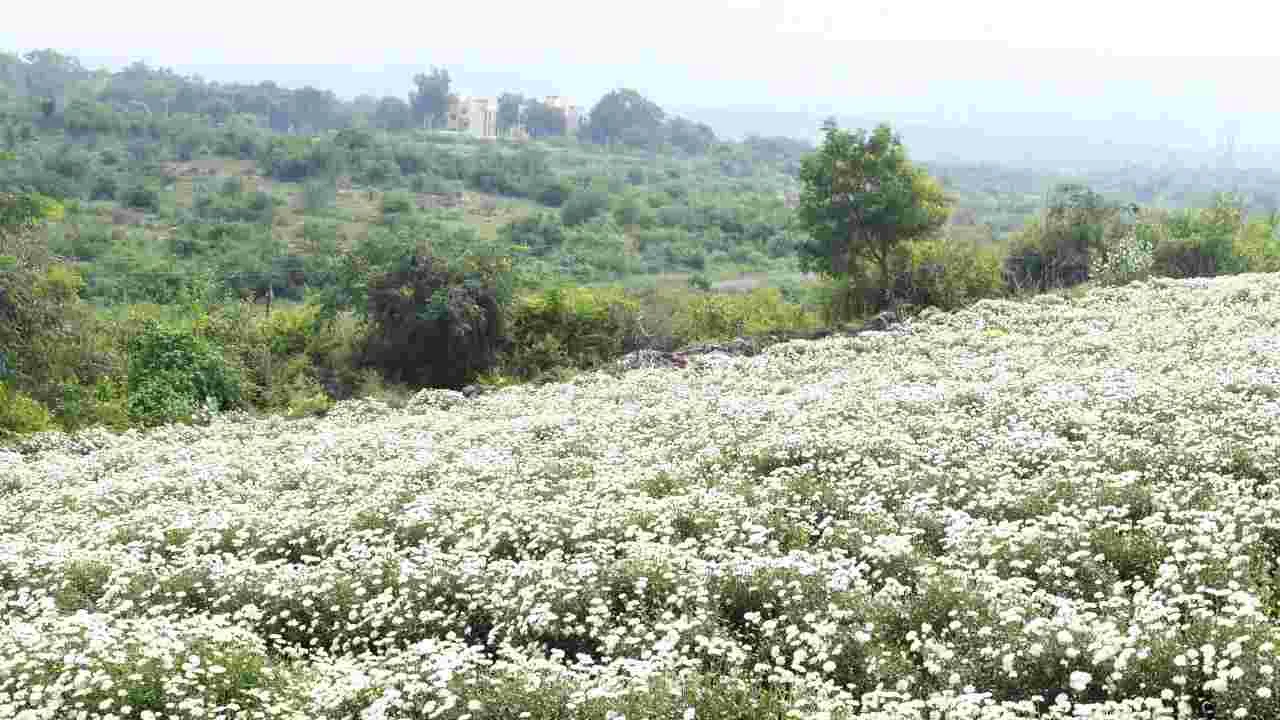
[{"x": 1072, "y": 497}]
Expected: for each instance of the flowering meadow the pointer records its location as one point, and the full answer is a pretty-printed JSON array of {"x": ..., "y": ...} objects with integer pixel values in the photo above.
[{"x": 1065, "y": 506}]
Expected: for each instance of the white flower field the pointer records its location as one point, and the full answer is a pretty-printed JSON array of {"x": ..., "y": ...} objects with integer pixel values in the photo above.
[{"x": 1066, "y": 506}]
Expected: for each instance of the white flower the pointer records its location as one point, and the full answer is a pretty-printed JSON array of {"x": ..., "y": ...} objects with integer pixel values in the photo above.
[{"x": 1080, "y": 680}]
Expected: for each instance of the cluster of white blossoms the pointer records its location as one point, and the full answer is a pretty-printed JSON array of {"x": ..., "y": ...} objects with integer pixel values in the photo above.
[{"x": 1064, "y": 506}]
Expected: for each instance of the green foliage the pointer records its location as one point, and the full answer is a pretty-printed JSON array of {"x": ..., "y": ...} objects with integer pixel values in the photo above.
[
  {"x": 568, "y": 328},
  {"x": 949, "y": 273},
  {"x": 542, "y": 120},
  {"x": 21, "y": 414},
  {"x": 1207, "y": 242},
  {"x": 716, "y": 316},
  {"x": 693, "y": 138},
  {"x": 583, "y": 205},
  {"x": 627, "y": 117},
  {"x": 539, "y": 234},
  {"x": 231, "y": 203},
  {"x": 173, "y": 373},
  {"x": 396, "y": 205},
  {"x": 318, "y": 196},
  {"x": 1075, "y": 231},
  {"x": 140, "y": 197},
  {"x": 435, "y": 325},
  {"x": 861, "y": 197},
  {"x": 509, "y": 105},
  {"x": 1258, "y": 244},
  {"x": 430, "y": 98}
]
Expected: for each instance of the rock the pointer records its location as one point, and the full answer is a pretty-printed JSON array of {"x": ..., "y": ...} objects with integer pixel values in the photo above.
[
  {"x": 881, "y": 322},
  {"x": 434, "y": 399},
  {"x": 712, "y": 360},
  {"x": 738, "y": 347},
  {"x": 651, "y": 359},
  {"x": 471, "y": 391}
]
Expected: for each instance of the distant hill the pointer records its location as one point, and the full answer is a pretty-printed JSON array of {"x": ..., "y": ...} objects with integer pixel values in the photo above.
[{"x": 1050, "y": 142}]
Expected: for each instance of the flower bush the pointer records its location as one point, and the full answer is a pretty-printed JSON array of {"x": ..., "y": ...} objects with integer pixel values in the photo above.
[{"x": 1062, "y": 505}]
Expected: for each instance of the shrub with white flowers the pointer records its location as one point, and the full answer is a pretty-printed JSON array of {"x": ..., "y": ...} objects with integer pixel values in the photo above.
[{"x": 1061, "y": 506}]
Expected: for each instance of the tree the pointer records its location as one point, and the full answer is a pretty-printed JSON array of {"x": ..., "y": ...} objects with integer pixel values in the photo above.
[
  {"x": 861, "y": 197},
  {"x": 627, "y": 117},
  {"x": 509, "y": 105},
  {"x": 430, "y": 99},
  {"x": 432, "y": 324},
  {"x": 392, "y": 113},
  {"x": 693, "y": 138},
  {"x": 543, "y": 120},
  {"x": 314, "y": 108}
]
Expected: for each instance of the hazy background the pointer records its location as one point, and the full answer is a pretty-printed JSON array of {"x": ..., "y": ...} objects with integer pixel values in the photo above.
[{"x": 1088, "y": 85}]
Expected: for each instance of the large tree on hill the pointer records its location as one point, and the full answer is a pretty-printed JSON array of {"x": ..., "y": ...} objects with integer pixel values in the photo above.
[
  {"x": 314, "y": 108},
  {"x": 691, "y": 137},
  {"x": 543, "y": 120},
  {"x": 430, "y": 98},
  {"x": 392, "y": 113},
  {"x": 509, "y": 105},
  {"x": 625, "y": 116},
  {"x": 860, "y": 198}
]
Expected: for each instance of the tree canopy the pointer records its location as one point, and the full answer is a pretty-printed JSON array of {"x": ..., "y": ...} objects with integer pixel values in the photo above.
[
  {"x": 509, "y": 105},
  {"x": 860, "y": 198},
  {"x": 627, "y": 117},
  {"x": 430, "y": 98},
  {"x": 543, "y": 120}
]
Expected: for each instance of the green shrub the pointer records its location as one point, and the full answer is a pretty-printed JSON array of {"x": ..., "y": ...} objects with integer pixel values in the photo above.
[
  {"x": 104, "y": 188},
  {"x": 21, "y": 414},
  {"x": 948, "y": 273},
  {"x": 709, "y": 316},
  {"x": 396, "y": 205},
  {"x": 1258, "y": 245},
  {"x": 435, "y": 325},
  {"x": 555, "y": 194},
  {"x": 568, "y": 328},
  {"x": 141, "y": 197},
  {"x": 583, "y": 205},
  {"x": 172, "y": 373},
  {"x": 541, "y": 233},
  {"x": 319, "y": 195},
  {"x": 1184, "y": 258}
]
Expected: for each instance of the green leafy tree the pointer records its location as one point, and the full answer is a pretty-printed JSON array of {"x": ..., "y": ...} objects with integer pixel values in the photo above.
[
  {"x": 627, "y": 117},
  {"x": 430, "y": 98},
  {"x": 861, "y": 197},
  {"x": 543, "y": 120},
  {"x": 693, "y": 138},
  {"x": 509, "y": 111},
  {"x": 315, "y": 109},
  {"x": 392, "y": 113}
]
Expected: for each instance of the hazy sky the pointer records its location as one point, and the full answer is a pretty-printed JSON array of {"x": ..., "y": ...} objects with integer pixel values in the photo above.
[{"x": 1198, "y": 63}]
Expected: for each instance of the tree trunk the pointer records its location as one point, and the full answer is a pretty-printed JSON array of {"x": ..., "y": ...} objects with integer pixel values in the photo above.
[{"x": 886, "y": 283}]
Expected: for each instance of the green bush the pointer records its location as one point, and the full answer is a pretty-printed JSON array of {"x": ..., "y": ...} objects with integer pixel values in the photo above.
[
  {"x": 105, "y": 187},
  {"x": 583, "y": 205},
  {"x": 568, "y": 328},
  {"x": 541, "y": 233},
  {"x": 141, "y": 197},
  {"x": 1258, "y": 245},
  {"x": 948, "y": 273},
  {"x": 396, "y": 205},
  {"x": 172, "y": 373},
  {"x": 21, "y": 414},
  {"x": 319, "y": 195},
  {"x": 711, "y": 316}
]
